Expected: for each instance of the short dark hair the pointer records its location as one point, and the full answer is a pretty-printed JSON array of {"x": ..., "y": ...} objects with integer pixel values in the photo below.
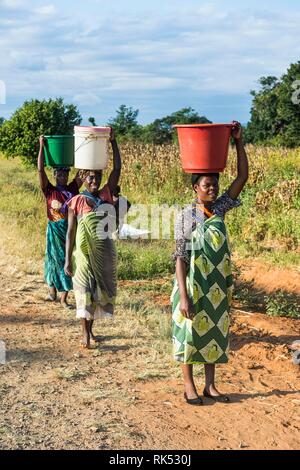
[
  {"x": 85, "y": 173},
  {"x": 197, "y": 176},
  {"x": 63, "y": 169}
]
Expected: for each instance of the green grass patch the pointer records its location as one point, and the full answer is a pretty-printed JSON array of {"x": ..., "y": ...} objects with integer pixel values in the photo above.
[{"x": 281, "y": 304}]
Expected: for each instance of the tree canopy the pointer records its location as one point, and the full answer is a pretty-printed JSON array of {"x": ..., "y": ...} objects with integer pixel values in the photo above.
[
  {"x": 275, "y": 111},
  {"x": 160, "y": 131},
  {"x": 19, "y": 135},
  {"x": 92, "y": 121},
  {"x": 275, "y": 119},
  {"x": 125, "y": 123}
]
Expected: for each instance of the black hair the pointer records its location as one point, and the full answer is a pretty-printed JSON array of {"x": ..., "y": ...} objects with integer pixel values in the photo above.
[
  {"x": 197, "y": 176},
  {"x": 85, "y": 173},
  {"x": 65, "y": 170}
]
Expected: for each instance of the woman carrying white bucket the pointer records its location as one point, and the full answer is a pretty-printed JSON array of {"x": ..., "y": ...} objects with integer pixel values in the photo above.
[{"x": 93, "y": 265}]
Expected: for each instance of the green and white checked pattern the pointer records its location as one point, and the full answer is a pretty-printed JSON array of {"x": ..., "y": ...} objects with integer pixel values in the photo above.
[{"x": 204, "y": 340}]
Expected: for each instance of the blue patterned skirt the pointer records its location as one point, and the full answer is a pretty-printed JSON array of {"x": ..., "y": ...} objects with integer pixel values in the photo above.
[{"x": 55, "y": 256}]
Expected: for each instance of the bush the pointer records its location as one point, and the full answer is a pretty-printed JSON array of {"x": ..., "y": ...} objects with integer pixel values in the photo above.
[
  {"x": 19, "y": 136},
  {"x": 144, "y": 260},
  {"x": 282, "y": 304}
]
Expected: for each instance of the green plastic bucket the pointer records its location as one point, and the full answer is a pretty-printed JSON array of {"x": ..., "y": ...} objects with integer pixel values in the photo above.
[{"x": 59, "y": 150}]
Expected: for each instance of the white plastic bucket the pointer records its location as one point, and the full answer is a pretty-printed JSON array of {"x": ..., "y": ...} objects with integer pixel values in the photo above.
[{"x": 91, "y": 147}]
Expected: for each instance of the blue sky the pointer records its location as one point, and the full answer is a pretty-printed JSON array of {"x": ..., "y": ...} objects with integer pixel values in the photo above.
[{"x": 157, "y": 57}]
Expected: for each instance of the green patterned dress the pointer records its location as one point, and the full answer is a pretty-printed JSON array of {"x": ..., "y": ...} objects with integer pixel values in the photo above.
[
  {"x": 205, "y": 338},
  {"x": 94, "y": 263}
]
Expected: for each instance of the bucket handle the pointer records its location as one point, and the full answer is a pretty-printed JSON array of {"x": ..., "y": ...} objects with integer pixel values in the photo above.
[{"x": 87, "y": 139}]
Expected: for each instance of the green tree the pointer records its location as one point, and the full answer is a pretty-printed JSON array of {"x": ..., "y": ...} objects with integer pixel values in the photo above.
[
  {"x": 264, "y": 123},
  {"x": 19, "y": 136},
  {"x": 125, "y": 123},
  {"x": 289, "y": 107},
  {"x": 275, "y": 111},
  {"x": 92, "y": 121},
  {"x": 1, "y": 121},
  {"x": 161, "y": 131}
]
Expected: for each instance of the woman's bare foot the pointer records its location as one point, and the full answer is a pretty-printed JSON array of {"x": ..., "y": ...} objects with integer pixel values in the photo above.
[
  {"x": 52, "y": 295},
  {"x": 96, "y": 339},
  {"x": 85, "y": 343},
  {"x": 49, "y": 298},
  {"x": 64, "y": 301},
  {"x": 66, "y": 305}
]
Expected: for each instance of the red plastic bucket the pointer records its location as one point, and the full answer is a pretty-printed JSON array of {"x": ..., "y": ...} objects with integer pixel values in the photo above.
[{"x": 203, "y": 147}]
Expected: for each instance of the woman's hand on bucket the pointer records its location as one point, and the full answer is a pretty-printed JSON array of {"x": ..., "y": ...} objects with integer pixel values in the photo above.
[
  {"x": 237, "y": 130},
  {"x": 112, "y": 135}
]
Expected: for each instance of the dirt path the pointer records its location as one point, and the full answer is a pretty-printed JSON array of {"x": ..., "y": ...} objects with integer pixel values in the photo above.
[{"x": 125, "y": 394}]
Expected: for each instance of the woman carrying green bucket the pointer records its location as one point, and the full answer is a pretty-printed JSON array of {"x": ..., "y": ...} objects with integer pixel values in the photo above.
[
  {"x": 203, "y": 286},
  {"x": 56, "y": 199}
]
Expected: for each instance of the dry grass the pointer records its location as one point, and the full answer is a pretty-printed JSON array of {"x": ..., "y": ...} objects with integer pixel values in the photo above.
[{"x": 70, "y": 374}]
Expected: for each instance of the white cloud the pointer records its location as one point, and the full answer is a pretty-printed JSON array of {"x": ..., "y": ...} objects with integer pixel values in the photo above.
[
  {"x": 87, "y": 99},
  {"x": 2, "y": 92},
  {"x": 12, "y": 4},
  {"x": 188, "y": 54},
  {"x": 46, "y": 10}
]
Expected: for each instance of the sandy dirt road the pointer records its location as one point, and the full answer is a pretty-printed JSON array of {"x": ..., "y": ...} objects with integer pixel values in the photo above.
[{"x": 55, "y": 396}]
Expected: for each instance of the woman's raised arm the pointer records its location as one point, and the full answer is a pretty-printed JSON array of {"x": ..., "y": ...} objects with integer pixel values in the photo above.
[
  {"x": 116, "y": 172},
  {"x": 242, "y": 162},
  {"x": 41, "y": 165}
]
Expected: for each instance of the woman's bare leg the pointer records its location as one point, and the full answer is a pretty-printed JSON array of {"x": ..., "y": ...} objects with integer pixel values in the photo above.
[
  {"x": 189, "y": 385},
  {"x": 52, "y": 294},
  {"x": 93, "y": 337},
  {"x": 210, "y": 387},
  {"x": 85, "y": 333},
  {"x": 210, "y": 380},
  {"x": 63, "y": 299}
]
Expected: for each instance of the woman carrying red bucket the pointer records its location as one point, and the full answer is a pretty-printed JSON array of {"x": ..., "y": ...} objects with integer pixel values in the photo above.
[{"x": 203, "y": 286}]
